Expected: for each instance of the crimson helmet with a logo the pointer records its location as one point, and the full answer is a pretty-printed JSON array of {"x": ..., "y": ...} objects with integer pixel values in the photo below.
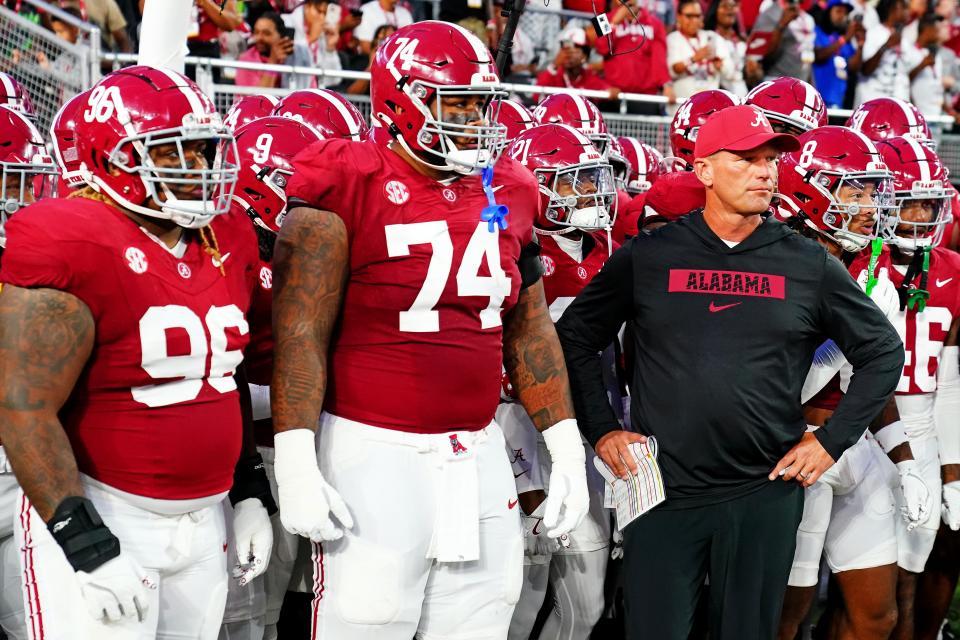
[
  {"x": 883, "y": 118},
  {"x": 264, "y": 150},
  {"x": 136, "y": 110},
  {"x": 690, "y": 117},
  {"x": 919, "y": 179},
  {"x": 563, "y": 159},
  {"x": 577, "y": 112},
  {"x": 326, "y": 111},
  {"x": 835, "y": 175},
  {"x": 618, "y": 162},
  {"x": 411, "y": 74},
  {"x": 63, "y": 138},
  {"x": 28, "y": 172},
  {"x": 644, "y": 162},
  {"x": 248, "y": 108},
  {"x": 514, "y": 116},
  {"x": 790, "y": 104},
  {"x": 14, "y": 95}
]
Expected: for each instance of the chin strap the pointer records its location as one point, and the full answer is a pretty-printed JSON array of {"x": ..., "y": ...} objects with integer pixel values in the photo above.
[
  {"x": 916, "y": 297},
  {"x": 495, "y": 215},
  {"x": 876, "y": 247}
]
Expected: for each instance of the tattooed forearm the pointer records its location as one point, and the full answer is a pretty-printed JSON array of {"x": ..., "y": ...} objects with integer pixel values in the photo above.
[
  {"x": 309, "y": 275},
  {"x": 534, "y": 361},
  {"x": 46, "y": 337}
]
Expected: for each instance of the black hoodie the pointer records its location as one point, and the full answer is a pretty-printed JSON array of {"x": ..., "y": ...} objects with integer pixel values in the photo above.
[{"x": 723, "y": 340}]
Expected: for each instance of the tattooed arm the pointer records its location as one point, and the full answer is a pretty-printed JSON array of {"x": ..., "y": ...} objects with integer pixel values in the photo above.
[
  {"x": 309, "y": 276},
  {"x": 534, "y": 361},
  {"x": 46, "y": 337}
]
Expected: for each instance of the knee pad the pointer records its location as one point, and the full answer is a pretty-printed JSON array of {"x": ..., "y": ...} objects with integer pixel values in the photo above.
[{"x": 370, "y": 592}]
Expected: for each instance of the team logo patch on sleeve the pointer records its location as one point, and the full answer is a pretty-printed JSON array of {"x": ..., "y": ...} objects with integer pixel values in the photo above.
[{"x": 734, "y": 283}]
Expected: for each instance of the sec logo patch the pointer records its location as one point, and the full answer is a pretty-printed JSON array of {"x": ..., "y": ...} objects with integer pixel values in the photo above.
[
  {"x": 549, "y": 266},
  {"x": 266, "y": 278},
  {"x": 396, "y": 192},
  {"x": 136, "y": 260}
]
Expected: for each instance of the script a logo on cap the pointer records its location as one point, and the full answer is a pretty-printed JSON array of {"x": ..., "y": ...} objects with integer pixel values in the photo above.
[{"x": 759, "y": 121}]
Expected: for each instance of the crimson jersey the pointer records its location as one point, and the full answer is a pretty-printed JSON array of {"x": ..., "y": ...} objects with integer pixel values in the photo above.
[
  {"x": 564, "y": 277},
  {"x": 923, "y": 333},
  {"x": 258, "y": 357},
  {"x": 155, "y": 412},
  {"x": 420, "y": 336},
  {"x": 628, "y": 216}
]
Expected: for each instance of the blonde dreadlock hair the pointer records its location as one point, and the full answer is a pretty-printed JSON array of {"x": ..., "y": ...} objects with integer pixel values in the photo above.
[{"x": 207, "y": 236}]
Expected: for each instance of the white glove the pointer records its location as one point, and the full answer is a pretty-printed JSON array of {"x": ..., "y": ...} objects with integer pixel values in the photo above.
[
  {"x": 951, "y": 505},
  {"x": 568, "y": 479},
  {"x": 305, "y": 499},
  {"x": 117, "y": 589},
  {"x": 617, "y": 552},
  {"x": 916, "y": 494},
  {"x": 884, "y": 293},
  {"x": 253, "y": 536},
  {"x": 536, "y": 543}
]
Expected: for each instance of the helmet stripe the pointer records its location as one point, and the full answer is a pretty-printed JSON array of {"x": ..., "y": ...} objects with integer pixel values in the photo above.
[
  {"x": 582, "y": 110},
  {"x": 907, "y": 112},
  {"x": 352, "y": 125},
  {"x": 8, "y": 88},
  {"x": 641, "y": 156},
  {"x": 195, "y": 105},
  {"x": 808, "y": 99},
  {"x": 478, "y": 49},
  {"x": 867, "y": 142},
  {"x": 922, "y": 162}
]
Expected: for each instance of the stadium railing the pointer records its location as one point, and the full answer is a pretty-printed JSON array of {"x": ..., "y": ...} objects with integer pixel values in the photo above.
[{"x": 50, "y": 69}]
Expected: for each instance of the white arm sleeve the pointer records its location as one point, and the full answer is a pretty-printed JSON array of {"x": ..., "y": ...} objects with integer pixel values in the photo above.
[
  {"x": 827, "y": 362},
  {"x": 946, "y": 408},
  {"x": 164, "y": 44}
]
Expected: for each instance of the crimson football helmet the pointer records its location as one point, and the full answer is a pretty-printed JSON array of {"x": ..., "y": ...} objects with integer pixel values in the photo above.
[
  {"x": 836, "y": 174},
  {"x": 29, "y": 173},
  {"x": 919, "y": 180},
  {"x": 265, "y": 149},
  {"x": 514, "y": 116},
  {"x": 577, "y": 190},
  {"x": 690, "y": 117},
  {"x": 64, "y": 140},
  {"x": 577, "y": 112},
  {"x": 618, "y": 162},
  {"x": 140, "y": 109},
  {"x": 644, "y": 162},
  {"x": 883, "y": 118},
  {"x": 791, "y": 105},
  {"x": 248, "y": 108},
  {"x": 326, "y": 111},
  {"x": 15, "y": 96},
  {"x": 411, "y": 74}
]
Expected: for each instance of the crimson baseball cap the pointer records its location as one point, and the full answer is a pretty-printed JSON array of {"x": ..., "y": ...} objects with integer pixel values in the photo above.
[{"x": 739, "y": 128}]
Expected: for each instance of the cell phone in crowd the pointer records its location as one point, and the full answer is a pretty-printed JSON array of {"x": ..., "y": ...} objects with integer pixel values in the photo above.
[
  {"x": 288, "y": 32},
  {"x": 858, "y": 18},
  {"x": 356, "y": 13}
]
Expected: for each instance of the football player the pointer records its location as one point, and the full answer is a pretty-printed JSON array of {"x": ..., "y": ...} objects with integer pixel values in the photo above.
[
  {"x": 27, "y": 174},
  {"x": 833, "y": 190},
  {"x": 791, "y": 105},
  {"x": 332, "y": 115},
  {"x": 265, "y": 149},
  {"x": 63, "y": 140},
  {"x": 687, "y": 122},
  {"x": 402, "y": 271},
  {"x": 121, "y": 325},
  {"x": 643, "y": 163},
  {"x": 927, "y": 278},
  {"x": 249, "y": 108},
  {"x": 578, "y": 206}
]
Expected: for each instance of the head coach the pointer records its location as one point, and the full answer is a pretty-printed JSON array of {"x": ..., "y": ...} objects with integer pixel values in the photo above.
[{"x": 724, "y": 311}]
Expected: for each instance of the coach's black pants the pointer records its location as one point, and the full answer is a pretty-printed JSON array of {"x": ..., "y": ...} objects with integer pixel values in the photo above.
[{"x": 746, "y": 546}]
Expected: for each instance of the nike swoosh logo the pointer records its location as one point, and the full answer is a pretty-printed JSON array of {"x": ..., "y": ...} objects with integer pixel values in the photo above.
[
  {"x": 940, "y": 282},
  {"x": 511, "y": 504},
  {"x": 536, "y": 528},
  {"x": 715, "y": 307},
  {"x": 497, "y": 188},
  {"x": 219, "y": 263},
  {"x": 517, "y": 475}
]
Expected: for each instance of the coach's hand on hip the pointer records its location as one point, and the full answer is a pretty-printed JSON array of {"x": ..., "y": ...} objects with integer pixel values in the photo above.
[
  {"x": 805, "y": 462},
  {"x": 612, "y": 449}
]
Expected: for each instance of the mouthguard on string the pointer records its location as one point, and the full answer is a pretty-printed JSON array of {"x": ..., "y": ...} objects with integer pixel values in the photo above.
[{"x": 495, "y": 215}]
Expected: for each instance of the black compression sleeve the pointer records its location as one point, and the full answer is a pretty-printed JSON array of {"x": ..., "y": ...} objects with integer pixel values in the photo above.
[{"x": 529, "y": 265}]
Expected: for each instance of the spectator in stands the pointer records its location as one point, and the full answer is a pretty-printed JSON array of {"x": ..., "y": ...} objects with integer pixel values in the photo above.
[
  {"x": 837, "y": 51},
  {"x": 788, "y": 32},
  {"x": 316, "y": 26},
  {"x": 664, "y": 10},
  {"x": 696, "y": 57},
  {"x": 109, "y": 19},
  {"x": 538, "y": 33},
  {"x": 270, "y": 46},
  {"x": 867, "y": 11},
  {"x": 926, "y": 76},
  {"x": 635, "y": 54},
  {"x": 916, "y": 9},
  {"x": 570, "y": 69},
  {"x": 476, "y": 16},
  {"x": 65, "y": 64},
  {"x": 375, "y": 14},
  {"x": 722, "y": 18},
  {"x": 362, "y": 87},
  {"x": 885, "y": 70},
  {"x": 66, "y": 31}
]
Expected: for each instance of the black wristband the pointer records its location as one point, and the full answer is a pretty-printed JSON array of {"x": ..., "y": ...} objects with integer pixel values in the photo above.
[
  {"x": 250, "y": 481},
  {"x": 85, "y": 540},
  {"x": 529, "y": 265}
]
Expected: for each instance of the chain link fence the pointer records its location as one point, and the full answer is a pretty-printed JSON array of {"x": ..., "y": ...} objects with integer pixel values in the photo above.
[{"x": 51, "y": 70}]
